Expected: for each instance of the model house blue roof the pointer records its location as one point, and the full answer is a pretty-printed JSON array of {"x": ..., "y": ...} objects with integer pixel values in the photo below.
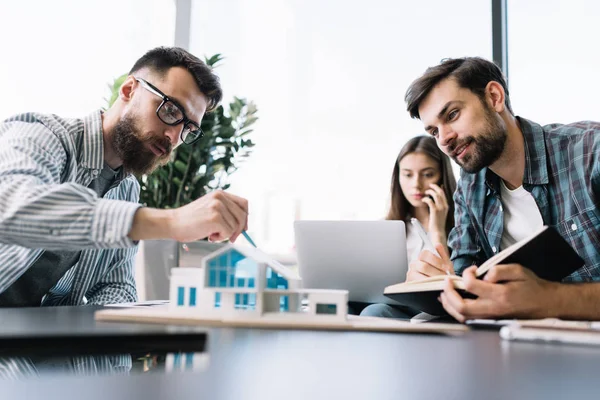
[{"x": 258, "y": 256}]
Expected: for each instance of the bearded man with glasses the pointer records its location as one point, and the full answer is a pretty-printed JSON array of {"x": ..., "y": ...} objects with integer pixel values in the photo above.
[{"x": 69, "y": 212}]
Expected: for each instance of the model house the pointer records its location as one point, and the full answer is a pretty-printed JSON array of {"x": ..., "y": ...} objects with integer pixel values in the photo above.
[{"x": 243, "y": 282}]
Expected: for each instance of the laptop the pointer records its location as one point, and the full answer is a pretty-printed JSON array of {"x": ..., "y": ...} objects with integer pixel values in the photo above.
[{"x": 362, "y": 257}]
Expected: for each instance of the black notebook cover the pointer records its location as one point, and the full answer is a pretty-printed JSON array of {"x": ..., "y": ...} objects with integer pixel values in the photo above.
[
  {"x": 425, "y": 301},
  {"x": 548, "y": 255}
]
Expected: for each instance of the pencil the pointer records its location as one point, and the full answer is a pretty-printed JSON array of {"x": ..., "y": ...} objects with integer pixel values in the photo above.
[{"x": 248, "y": 238}]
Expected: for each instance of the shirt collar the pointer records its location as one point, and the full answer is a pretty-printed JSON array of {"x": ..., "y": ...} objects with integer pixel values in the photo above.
[
  {"x": 536, "y": 168},
  {"x": 92, "y": 156}
]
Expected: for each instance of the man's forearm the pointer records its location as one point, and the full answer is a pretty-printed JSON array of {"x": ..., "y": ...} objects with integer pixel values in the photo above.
[
  {"x": 151, "y": 223},
  {"x": 576, "y": 301}
]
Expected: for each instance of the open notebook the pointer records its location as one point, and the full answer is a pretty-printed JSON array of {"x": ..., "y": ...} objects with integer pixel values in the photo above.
[{"x": 544, "y": 252}]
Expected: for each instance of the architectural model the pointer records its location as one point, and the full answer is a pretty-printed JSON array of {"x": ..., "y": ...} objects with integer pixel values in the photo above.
[
  {"x": 237, "y": 282},
  {"x": 237, "y": 286}
]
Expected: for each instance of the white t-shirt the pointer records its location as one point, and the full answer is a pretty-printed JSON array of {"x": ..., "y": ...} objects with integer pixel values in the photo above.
[{"x": 521, "y": 214}]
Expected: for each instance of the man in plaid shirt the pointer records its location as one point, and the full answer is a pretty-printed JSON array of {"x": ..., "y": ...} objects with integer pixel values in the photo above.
[{"x": 516, "y": 176}]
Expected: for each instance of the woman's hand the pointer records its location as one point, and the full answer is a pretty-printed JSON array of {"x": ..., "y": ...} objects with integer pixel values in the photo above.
[
  {"x": 429, "y": 264},
  {"x": 438, "y": 212}
]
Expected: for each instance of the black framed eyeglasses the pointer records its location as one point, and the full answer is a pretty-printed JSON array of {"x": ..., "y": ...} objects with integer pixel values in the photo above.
[{"x": 171, "y": 113}]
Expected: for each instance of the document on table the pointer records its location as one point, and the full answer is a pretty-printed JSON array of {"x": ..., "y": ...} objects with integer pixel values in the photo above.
[
  {"x": 553, "y": 330},
  {"x": 149, "y": 303}
]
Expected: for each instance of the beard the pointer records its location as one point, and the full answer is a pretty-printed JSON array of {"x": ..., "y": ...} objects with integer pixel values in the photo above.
[
  {"x": 487, "y": 147},
  {"x": 131, "y": 147}
]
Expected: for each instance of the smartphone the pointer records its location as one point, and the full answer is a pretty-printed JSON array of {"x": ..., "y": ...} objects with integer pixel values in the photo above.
[{"x": 440, "y": 184}]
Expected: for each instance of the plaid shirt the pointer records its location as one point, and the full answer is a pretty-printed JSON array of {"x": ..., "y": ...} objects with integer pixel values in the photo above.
[{"x": 562, "y": 174}]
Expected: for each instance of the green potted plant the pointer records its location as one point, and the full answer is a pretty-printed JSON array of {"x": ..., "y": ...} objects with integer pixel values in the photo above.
[{"x": 193, "y": 171}]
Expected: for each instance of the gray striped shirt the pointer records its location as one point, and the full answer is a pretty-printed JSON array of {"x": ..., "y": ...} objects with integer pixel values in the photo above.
[
  {"x": 46, "y": 164},
  {"x": 21, "y": 368}
]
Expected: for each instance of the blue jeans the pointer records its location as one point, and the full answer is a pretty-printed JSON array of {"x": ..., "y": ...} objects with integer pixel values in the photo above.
[
  {"x": 388, "y": 311},
  {"x": 355, "y": 307}
]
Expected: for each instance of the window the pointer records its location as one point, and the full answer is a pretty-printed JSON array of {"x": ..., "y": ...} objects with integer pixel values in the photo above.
[
  {"x": 217, "y": 300},
  {"x": 553, "y": 65},
  {"x": 252, "y": 300},
  {"x": 328, "y": 79},
  {"x": 245, "y": 301},
  {"x": 180, "y": 295},
  {"x": 284, "y": 303},
  {"x": 326, "y": 308},
  {"x": 192, "y": 296},
  {"x": 232, "y": 269},
  {"x": 275, "y": 280},
  {"x": 65, "y": 69}
]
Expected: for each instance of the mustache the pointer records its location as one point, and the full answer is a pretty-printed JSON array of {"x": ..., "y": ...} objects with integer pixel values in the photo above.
[
  {"x": 164, "y": 144},
  {"x": 456, "y": 145}
]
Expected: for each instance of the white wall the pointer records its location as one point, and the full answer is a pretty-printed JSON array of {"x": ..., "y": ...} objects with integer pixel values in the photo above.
[
  {"x": 329, "y": 79},
  {"x": 554, "y": 59},
  {"x": 58, "y": 56}
]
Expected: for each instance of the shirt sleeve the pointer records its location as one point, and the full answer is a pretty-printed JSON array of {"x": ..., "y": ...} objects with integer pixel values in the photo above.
[
  {"x": 38, "y": 211},
  {"x": 463, "y": 241},
  {"x": 118, "y": 285},
  {"x": 595, "y": 180}
]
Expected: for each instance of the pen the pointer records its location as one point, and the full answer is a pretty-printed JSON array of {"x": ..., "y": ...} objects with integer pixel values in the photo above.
[
  {"x": 424, "y": 237},
  {"x": 248, "y": 238}
]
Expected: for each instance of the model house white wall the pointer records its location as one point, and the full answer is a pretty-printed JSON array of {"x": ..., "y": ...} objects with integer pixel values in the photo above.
[{"x": 240, "y": 282}]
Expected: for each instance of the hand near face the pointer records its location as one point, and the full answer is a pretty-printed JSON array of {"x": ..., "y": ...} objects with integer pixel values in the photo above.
[
  {"x": 508, "y": 290},
  {"x": 438, "y": 211},
  {"x": 430, "y": 264},
  {"x": 217, "y": 215}
]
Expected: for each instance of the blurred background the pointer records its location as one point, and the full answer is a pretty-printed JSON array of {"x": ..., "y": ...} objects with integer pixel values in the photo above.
[{"x": 328, "y": 78}]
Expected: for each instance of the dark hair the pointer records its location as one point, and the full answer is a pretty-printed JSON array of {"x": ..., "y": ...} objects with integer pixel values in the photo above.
[
  {"x": 473, "y": 73},
  {"x": 161, "y": 59},
  {"x": 399, "y": 206}
]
